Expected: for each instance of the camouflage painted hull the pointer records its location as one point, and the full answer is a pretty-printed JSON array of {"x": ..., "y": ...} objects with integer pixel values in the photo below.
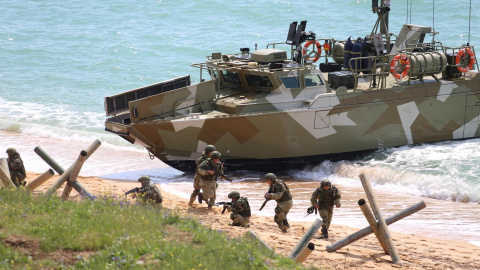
[{"x": 331, "y": 126}]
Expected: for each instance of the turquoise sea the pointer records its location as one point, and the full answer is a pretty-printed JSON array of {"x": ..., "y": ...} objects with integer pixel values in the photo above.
[{"x": 59, "y": 59}]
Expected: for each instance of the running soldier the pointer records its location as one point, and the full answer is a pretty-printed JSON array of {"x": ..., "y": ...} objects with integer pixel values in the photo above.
[
  {"x": 196, "y": 180},
  {"x": 240, "y": 209},
  {"x": 16, "y": 168},
  {"x": 324, "y": 198},
  {"x": 208, "y": 170},
  {"x": 279, "y": 192}
]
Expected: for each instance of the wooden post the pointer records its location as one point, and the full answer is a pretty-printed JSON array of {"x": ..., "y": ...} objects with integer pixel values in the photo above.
[
  {"x": 4, "y": 165},
  {"x": 252, "y": 235},
  {"x": 373, "y": 223},
  {"x": 49, "y": 160},
  {"x": 66, "y": 174},
  {"x": 39, "y": 180},
  {"x": 74, "y": 174},
  {"x": 382, "y": 225},
  {"x": 306, "y": 251},
  {"x": 7, "y": 182},
  {"x": 305, "y": 238},
  {"x": 368, "y": 230},
  {"x": 75, "y": 184}
]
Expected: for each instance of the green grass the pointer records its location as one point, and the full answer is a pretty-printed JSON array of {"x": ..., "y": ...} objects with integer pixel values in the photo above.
[{"x": 38, "y": 232}]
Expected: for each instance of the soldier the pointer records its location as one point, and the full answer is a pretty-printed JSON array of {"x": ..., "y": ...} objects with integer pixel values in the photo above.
[
  {"x": 324, "y": 198},
  {"x": 240, "y": 209},
  {"x": 196, "y": 180},
  {"x": 208, "y": 178},
  {"x": 149, "y": 192},
  {"x": 279, "y": 192},
  {"x": 16, "y": 168}
]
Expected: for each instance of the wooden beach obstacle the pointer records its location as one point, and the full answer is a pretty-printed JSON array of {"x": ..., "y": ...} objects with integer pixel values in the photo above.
[
  {"x": 69, "y": 175},
  {"x": 5, "y": 177},
  {"x": 252, "y": 235},
  {"x": 303, "y": 248},
  {"x": 378, "y": 224}
]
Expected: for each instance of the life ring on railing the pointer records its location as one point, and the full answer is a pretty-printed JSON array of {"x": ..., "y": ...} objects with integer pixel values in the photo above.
[
  {"x": 317, "y": 53},
  {"x": 404, "y": 62},
  {"x": 460, "y": 60}
]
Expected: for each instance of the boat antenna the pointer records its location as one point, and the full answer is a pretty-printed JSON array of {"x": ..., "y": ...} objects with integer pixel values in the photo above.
[
  {"x": 469, "y": 20},
  {"x": 411, "y": 7},
  {"x": 433, "y": 18},
  {"x": 409, "y": 12}
]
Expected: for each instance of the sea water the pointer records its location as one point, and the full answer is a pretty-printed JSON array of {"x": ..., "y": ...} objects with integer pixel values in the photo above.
[{"x": 59, "y": 59}]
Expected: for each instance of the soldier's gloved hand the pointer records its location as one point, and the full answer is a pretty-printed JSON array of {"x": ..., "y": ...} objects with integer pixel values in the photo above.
[
  {"x": 268, "y": 196},
  {"x": 338, "y": 205}
]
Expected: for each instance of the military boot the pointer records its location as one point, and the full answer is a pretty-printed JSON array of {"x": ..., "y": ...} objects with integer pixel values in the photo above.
[
  {"x": 285, "y": 222},
  {"x": 200, "y": 198},
  {"x": 325, "y": 233},
  {"x": 192, "y": 199}
]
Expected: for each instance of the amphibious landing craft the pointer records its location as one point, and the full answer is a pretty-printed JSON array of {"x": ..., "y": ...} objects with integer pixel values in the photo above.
[{"x": 276, "y": 109}]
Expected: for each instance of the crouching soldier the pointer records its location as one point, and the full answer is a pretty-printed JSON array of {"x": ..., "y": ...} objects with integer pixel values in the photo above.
[
  {"x": 279, "y": 192},
  {"x": 149, "y": 192},
  {"x": 324, "y": 198},
  {"x": 16, "y": 168},
  {"x": 240, "y": 209}
]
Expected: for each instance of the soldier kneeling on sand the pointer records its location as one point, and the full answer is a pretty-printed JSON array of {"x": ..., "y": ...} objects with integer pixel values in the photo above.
[
  {"x": 16, "y": 168},
  {"x": 149, "y": 192},
  {"x": 240, "y": 209}
]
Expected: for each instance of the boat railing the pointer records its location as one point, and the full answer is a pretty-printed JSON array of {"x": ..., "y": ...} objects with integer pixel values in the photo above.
[{"x": 455, "y": 50}]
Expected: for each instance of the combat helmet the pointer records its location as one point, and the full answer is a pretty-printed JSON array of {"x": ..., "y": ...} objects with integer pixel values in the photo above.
[
  {"x": 209, "y": 148},
  {"x": 144, "y": 178},
  {"x": 234, "y": 195},
  {"x": 325, "y": 182},
  {"x": 270, "y": 176},
  {"x": 215, "y": 154},
  {"x": 11, "y": 151}
]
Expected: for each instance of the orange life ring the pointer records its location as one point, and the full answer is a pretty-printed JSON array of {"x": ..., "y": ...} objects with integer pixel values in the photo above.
[
  {"x": 462, "y": 67},
  {"x": 403, "y": 59},
  {"x": 317, "y": 53}
]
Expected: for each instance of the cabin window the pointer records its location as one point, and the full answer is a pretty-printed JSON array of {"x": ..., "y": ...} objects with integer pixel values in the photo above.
[
  {"x": 231, "y": 77},
  {"x": 313, "y": 80},
  {"x": 291, "y": 82},
  {"x": 259, "y": 81}
]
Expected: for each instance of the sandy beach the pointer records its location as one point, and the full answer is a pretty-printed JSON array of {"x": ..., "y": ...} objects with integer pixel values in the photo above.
[{"x": 415, "y": 251}]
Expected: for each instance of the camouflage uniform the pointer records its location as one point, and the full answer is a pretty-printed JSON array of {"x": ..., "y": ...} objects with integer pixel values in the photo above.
[
  {"x": 16, "y": 168},
  {"x": 279, "y": 192},
  {"x": 149, "y": 193},
  {"x": 324, "y": 200},
  {"x": 196, "y": 179},
  {"x": 241, "y": 213},
  {"x": 208, "y": 181}
]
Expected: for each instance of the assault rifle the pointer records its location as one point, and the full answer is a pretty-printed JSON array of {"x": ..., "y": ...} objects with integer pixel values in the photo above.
[
  {"x": 225, "y": 204},
  {"x": 310, "y": 210},
  {"x": 219, "y": 173},
  {"x": 264, "y": 203},
  {"x": 133, "y": 190}
]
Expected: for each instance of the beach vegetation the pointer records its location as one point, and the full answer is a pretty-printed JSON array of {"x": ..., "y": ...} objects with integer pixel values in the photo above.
[{"x": 44, "y": 232}]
